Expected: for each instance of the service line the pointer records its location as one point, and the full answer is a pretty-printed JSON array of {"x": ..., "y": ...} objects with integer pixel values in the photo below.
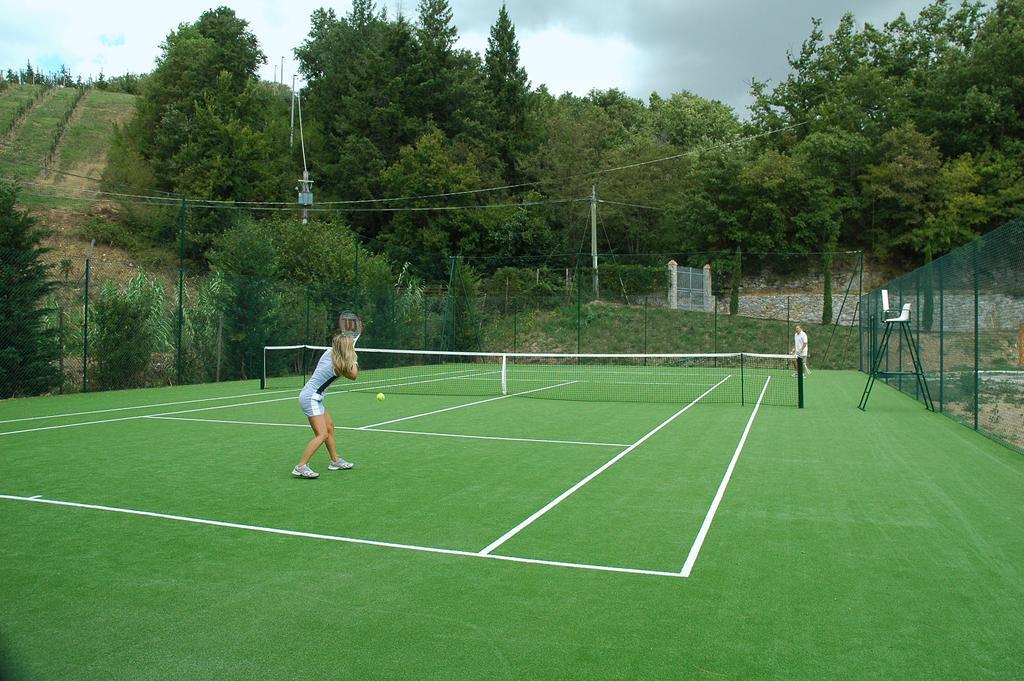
[{"x": 561, "y": 497}]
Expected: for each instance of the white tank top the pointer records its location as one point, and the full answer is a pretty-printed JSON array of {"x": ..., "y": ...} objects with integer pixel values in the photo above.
[{"x": 322, "y": 376}]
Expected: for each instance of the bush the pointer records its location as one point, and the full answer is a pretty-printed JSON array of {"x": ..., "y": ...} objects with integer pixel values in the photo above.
[{"x": 131, "y": 325}]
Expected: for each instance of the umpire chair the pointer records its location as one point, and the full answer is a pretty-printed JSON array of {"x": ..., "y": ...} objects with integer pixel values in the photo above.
[{"x": 902, "y": 322}]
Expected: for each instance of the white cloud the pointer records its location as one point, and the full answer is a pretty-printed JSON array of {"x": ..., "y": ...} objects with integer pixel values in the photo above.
[{"x": 709, "y": 47}]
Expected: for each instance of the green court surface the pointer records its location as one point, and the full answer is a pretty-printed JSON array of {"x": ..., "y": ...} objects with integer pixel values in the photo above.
[{"x": 158, "y": 534}]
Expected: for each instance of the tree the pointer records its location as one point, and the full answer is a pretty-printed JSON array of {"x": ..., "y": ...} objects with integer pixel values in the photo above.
[
  {"x": 687, "y": 121},
  {"x": 202, "y": 105},
  {"x": 902, "y": 186},
  {"x": 28, "y": 353},
  {"x": 435, "y": 166},
  {"x": 508, "y": 87},
  {"x": 248, "y": 260}
]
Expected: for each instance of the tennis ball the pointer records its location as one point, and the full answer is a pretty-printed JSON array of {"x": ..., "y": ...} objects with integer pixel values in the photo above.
[{"x": 380, "y": 397}]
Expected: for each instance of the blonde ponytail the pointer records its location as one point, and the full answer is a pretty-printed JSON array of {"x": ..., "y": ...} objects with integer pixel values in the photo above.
[{"x": 343, "y": 355}]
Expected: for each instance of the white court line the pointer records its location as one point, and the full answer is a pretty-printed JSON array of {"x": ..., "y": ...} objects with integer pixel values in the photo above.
[
  {"x": 468, "y": 404},
  {"x": 400, "y": 432},
  {"x": 561, "y": 497},
  {"x": 347, "y": 540},
  {"x": 144, "y": 406},
  {"x": 375, "y": 385},
  {"x": 293, "y": 396},
  {"x": 703, "y": 533},
  {"x": 145, "y": 416}
]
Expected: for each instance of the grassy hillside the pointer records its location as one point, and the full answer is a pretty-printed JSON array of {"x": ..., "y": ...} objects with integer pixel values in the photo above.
[
  {"x": 28, "y": 145},
  {"x": 85, "y": 144},
  {"x": 13, "y": 101},
  {"x": 613, "y": 328}
]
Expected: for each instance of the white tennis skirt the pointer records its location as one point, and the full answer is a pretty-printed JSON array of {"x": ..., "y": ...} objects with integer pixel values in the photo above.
[{"x": 312, "y": 404}]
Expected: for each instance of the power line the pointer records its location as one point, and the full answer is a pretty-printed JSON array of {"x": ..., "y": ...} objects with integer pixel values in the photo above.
[
  {"x": 467, "y": 192},
  {"x": 154, "y": 201},
  {"x": 630, "y": 205}
]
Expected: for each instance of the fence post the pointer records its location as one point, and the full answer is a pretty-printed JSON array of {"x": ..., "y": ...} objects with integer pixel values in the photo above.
[
  {"x": 977, "y": 349},
  {"x": 942, "y": 338},
  {"x": 515, "y": 326},
  {"x": 220, "y": 336},
  {"x": 917, "y": 325},
  {"x": 788, "y": 330},
  {"x": 716, "y": 327},
  {"x": 577, "y": 312},
  {"x": 305, "y": 336},
  {"x": 60, "y": 341},
  {"x": 645, "y": 328},
  {"x": 860, "y": 315},
  {"x": 899, "y": 358},
  {"x": 358, "y": 283},
  {"x": 181, "y": 283},
  {"x": 85, "y": 321}
]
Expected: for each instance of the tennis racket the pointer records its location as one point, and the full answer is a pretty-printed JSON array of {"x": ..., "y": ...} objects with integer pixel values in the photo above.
[{"x": 350, "y": 325}]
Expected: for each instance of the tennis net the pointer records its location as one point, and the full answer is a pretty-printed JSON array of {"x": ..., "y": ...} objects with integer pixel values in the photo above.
[{"x": 676, "y": 378}]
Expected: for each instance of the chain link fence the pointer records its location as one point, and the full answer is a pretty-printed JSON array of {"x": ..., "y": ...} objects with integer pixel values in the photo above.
[
  {"x": 114, "y": 325},
  {"x": 968, "y": 321}
]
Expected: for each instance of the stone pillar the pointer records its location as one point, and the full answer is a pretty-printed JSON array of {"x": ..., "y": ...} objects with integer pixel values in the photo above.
[
  {"x": 673, "y": 284},
  {"x": 709, "y": 301}
]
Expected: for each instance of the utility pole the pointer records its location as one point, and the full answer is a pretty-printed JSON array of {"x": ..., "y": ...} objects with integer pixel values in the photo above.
[
  {"x": 593, "y": 240},
  {"x": 282, "y": 71},
  {"x": 291, "y": 133},
  {"x": 305, "y": 184}
]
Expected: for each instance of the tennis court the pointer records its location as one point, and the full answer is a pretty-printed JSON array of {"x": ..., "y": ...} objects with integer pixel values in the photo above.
[{"x": 518, "y": 531}]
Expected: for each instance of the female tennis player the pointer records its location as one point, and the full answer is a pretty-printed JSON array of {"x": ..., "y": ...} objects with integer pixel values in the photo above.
[{"x": 338, "y": 360}]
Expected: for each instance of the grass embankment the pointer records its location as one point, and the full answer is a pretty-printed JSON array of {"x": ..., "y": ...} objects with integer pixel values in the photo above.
[
  {"x": 81, "y": 154},
  {"x": 23, "y": 155},
  {"x": 13, "y": 101},
  {"x": 615, "y": 328},
  {"x": 88, "y": 139}
]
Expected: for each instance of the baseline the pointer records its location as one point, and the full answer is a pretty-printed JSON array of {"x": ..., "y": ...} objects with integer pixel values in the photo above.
[{"x": 347, "y": 540}]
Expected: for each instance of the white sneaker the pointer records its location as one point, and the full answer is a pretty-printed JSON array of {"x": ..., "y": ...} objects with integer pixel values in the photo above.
[
  {"x": 304, "y": 472},
  {"x": 340, "y": 465}
]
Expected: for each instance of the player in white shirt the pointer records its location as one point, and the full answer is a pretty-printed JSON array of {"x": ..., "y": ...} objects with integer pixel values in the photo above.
[
  {"x": 338, "y": 360},
  {"x": 800, "y": 348}
]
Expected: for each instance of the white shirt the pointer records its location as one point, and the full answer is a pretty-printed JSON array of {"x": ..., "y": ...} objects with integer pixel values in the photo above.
[
  {"x": 322, "y": 377},
  {"x": 800, "y": 343}
]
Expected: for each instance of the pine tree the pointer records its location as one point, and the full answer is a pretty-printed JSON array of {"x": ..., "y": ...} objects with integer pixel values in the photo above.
[
  {"x": 27, "y": 354},
  {"x": 507, "y": 85}
]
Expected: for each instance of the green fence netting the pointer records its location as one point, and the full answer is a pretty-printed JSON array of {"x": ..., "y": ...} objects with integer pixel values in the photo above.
[
  {"x": 108, "y": 327},
  {"x": 968, "y": 321}
]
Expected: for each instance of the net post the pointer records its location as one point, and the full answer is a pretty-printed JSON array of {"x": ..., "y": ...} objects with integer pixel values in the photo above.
[
  {"x": 743, "y": 390},
  {"x": 263, "y": 374},
  {"x": 800, "y": 381},
  {"x": 504, "y": 374}
]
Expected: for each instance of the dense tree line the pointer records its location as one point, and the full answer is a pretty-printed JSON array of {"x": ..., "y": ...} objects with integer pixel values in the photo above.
[{"x": 905, "y": 140}]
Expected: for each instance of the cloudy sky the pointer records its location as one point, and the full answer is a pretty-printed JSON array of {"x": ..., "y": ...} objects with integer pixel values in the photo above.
[{"x": 709, "y": 47}]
